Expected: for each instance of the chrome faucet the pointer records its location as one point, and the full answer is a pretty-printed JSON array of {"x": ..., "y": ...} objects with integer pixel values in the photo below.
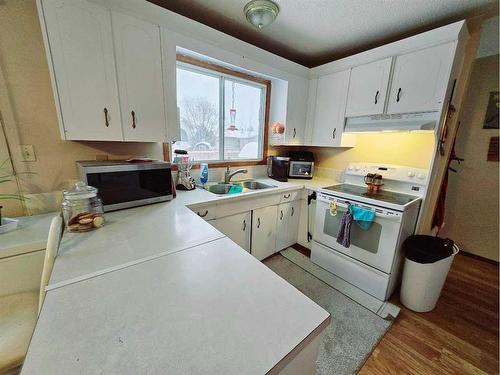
[{"x": 228, "y": 174}]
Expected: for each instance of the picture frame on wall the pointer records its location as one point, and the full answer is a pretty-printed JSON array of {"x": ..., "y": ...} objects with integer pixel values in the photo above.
[{"x": 491, "y": 116}]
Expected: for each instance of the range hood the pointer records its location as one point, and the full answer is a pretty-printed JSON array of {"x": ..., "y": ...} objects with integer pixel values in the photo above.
[{"x": 397, "y": 122}]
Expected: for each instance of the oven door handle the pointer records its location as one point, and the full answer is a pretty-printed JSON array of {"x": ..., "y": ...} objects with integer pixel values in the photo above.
[{"x": 387, "y": 216}]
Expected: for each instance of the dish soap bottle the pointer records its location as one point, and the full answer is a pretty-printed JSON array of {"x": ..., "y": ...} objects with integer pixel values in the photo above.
[{"x": 203, "y": 173}]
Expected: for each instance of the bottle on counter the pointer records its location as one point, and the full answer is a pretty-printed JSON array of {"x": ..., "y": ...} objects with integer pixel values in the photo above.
[
  {"x": 82, "y": 208},
  {"x": 203, "y": 173}
]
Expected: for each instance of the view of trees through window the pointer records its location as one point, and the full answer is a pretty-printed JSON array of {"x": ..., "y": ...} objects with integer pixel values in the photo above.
[{"x": 221, "y": 117}]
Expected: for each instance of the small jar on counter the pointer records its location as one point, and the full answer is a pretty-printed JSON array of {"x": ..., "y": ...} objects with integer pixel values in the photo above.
[{"x": 82, "y": 208}]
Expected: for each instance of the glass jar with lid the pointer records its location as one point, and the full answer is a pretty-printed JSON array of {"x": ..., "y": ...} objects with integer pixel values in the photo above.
[{"x": 82, "y": 208}]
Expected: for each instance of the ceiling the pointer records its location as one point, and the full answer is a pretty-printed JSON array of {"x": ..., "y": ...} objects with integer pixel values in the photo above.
[{"x": 313, "y": 32}]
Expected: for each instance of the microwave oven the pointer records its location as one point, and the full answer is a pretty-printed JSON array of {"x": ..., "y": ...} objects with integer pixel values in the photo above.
[
  {"x": 123, "y": 184},
  {"x": 301, "y": 165}
]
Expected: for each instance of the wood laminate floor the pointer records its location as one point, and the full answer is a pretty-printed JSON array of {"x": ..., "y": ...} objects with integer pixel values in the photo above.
[{"x": 459, "y": 337}]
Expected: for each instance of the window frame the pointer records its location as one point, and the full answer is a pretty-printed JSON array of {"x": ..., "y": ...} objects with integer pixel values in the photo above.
[{"x": 195, "y": 65}]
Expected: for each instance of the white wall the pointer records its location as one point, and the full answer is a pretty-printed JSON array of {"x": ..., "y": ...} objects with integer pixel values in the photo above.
[{"x": 471, "y": 216}]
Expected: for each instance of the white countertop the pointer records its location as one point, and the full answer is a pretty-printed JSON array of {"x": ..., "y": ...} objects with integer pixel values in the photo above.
[
  {"x": 158, "y": 288},
  {"x": 211, "y": 309},
  {"x": 30, "y": 236},
  {"x": 140, "y": 233}
]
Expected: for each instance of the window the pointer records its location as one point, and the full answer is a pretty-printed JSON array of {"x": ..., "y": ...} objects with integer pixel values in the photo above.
[{"x": 222, "y": 113}]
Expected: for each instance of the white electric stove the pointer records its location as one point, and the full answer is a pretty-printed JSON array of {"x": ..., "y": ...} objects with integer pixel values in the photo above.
[{"x": 373, "y": 261}]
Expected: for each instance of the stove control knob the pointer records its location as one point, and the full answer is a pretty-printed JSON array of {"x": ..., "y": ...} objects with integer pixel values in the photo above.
[
  {"x": 421, "y": 176},
  {"x": 349, "y": 168},
  {"x": 356, "y": 167},
  {"x": 411, "y": 174}
]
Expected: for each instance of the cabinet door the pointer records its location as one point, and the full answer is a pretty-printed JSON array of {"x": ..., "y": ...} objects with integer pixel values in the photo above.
[
  {"x": 368, "y": 88},
  {"x": 419, "y": 80},
  {"x": 287, "y": 226},
  {"x": 236, "y": 227},
  {"x": 264, "y": 232},
  {"x": 331, "y": 98},
  {"x": 138, "y": 61},
  {"x": 294, "y": 135},
  {"x": 81, "y": 47}
]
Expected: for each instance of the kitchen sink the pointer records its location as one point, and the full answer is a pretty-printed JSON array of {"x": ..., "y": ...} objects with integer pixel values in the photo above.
[
  {"x": 218, "y": 188},
  {"x": 246, "y": 186},
  {"x": 253, "y": 185}
]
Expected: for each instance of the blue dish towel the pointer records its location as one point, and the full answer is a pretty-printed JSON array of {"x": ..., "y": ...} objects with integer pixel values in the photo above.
[
  {"x": 344, "y": 234},
  {"x": 362, "y": 216}
]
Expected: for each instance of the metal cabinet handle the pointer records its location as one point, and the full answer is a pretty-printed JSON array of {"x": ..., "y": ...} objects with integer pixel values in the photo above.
[
  {"x": 106, "y": 120},
  {"x": 281, "y": 215},
  {"x": 376, "y": 97},
  {"x": 294, "y": 132},
  {"x": 133, "y": 119},
  {"x": 244, "y": 225},
  {"x": 398, "y": 95},
  {"x": 334, "y": 133},
  {"x": 258, "y": 222},
  {"x": 292, "y": 211},
  {"x": 203, "y": 215},
  {"x": 286, "y": 196}
]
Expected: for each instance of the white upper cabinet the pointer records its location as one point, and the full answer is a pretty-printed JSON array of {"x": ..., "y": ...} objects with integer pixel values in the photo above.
[
  {"x": 81, "y": 45},
  {"x": 331, "y": 98},
  {"x": 420, "y": 79},
  {"x": 139, "y": 66},
  {"x": 368, "y": 88}
]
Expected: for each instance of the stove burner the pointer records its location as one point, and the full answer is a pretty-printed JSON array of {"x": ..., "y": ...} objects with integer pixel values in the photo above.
[{"x": 381, "y": 195}]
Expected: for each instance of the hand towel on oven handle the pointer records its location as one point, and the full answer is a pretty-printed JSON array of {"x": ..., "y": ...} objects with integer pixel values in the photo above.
[
  {"x": 362, "y": 216},
  {"x": 344, "y": 234}
]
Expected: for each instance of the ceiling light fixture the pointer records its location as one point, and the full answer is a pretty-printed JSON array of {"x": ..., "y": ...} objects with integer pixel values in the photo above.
[{"x": 261, "y": 13}]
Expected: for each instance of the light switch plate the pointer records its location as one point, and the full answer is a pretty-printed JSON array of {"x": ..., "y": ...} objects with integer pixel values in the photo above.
[{"x": 28, "y": 153}]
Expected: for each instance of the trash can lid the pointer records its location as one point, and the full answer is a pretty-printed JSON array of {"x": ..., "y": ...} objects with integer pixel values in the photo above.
[{"x": 427, "y": 249}]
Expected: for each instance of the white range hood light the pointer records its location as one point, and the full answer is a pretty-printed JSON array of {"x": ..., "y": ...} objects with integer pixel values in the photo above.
[{"x": 399, "y": 122}]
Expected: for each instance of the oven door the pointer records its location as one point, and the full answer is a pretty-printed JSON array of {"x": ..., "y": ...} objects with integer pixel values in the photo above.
[{"x": 375, "y": 247}]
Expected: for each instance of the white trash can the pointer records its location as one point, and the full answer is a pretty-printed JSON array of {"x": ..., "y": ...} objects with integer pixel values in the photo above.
[{"x": 425, "y": 271}]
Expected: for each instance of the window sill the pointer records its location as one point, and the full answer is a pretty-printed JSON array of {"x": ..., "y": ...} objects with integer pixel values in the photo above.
[{"x": 223, "y": 164}]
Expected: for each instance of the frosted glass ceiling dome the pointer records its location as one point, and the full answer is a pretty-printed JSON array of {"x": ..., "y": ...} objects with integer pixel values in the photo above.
[{"x": 261, "y": 13}]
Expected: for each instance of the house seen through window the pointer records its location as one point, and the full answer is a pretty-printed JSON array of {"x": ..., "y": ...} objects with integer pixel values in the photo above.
[{"x": 221, "y": 116}]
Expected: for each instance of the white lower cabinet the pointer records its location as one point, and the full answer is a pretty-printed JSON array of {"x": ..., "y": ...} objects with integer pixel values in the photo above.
[
  {"x": 264, "y": 232},
  {"x": 237, "y": 227},
  {"x": 287, "y": 227}
]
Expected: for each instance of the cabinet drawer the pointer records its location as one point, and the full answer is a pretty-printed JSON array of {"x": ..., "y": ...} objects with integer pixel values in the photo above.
[
  {"x": 289, "y": 196},
  {"x": 206, "y": 212},
  {"x": 366, "y": 278}
]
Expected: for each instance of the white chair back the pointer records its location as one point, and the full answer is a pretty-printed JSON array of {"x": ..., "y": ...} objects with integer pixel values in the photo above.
[{"x": 55, "y": 234}]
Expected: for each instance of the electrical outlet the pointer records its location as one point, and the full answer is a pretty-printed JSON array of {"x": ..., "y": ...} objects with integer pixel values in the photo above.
[{"x": 28, "y": 153}]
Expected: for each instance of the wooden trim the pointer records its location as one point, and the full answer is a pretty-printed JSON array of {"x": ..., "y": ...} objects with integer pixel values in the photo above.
[
  {"x": 237, "y": 74},
  {"x": 478, "y": 257},
  {"x": 221, "y": 69}
]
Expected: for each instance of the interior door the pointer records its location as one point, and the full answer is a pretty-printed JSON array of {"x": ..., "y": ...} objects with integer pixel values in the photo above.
[
  {"x": 368, "y": 88},
  {"x": 264, "y": 232},
  {"x": 236, "y": 227},
  {"x": 419, "y": 80},
  {"x": 138, "y": 60},
  {"x": 329, "y": 114},
  {"x": 81, "y": 47}
]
